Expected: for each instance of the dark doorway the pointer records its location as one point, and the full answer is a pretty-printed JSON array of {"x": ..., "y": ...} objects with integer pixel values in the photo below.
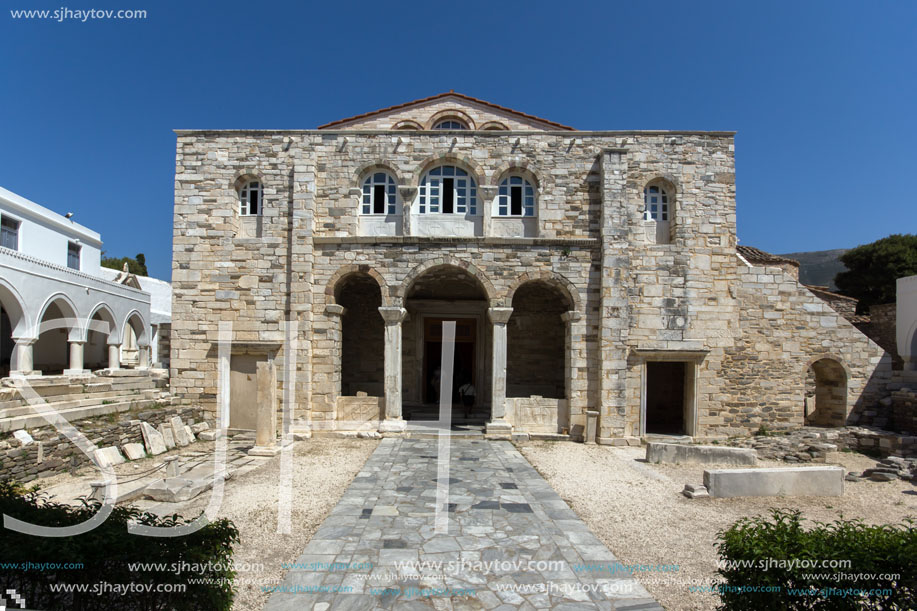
[
  {"x": 665, "y": 398},
  {"x": 6, "y": 344},
  {"x": 463, "y": 366}
]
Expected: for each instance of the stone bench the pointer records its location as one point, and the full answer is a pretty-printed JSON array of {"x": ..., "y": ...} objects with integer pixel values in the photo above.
[
  {"x": 778, "y": 481},
  {"x": 706, "y": 455}
]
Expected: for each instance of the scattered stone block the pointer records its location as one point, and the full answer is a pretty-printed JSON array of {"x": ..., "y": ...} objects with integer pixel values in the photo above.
[
  {"x": 880, "y": 476},
  {"x": 705, "y": 455},
  {"x": 190, "y": 434},
  {"x": 695, "y": 491},
  {"x": 209, "y": 435},
  {"x": 23, "y": 437},
  {"x": 133, "y": 451},
  {"x": 152, "y": 439},
  {"x": 199, "y": 427},
  {"x": 178, "y": 430},
  {"x": 852, "y": 477},
  {"x": 166, "y": 431},
  {"x": 780, "y": 481},
  {"x": 107, "y": 457}
]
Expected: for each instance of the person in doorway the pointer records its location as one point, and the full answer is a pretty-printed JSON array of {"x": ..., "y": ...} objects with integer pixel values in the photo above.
[{"x": 466, "y": 392}]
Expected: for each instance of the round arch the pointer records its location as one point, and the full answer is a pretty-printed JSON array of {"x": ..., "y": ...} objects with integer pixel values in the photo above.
[
  {"x": 245, "y": 175},
  {"x": 827, "y": 386},
  {"x": 566, "y": 288},
  {"x": 486, "y": 286},
  {"x": 107, "y": 316},
  {"x": 408, "y": 124},
  {"x": 347, "y": 270},
  {"x": 494, "y": 126},
  {"x": 519, "y": 167},
  {"x": 829, "y": 356},
  {"x": 135, "y": 321},
  {"x": 457, "y": 159},
  {"x": 68, "y": 312},
  {"x": 451, "y": 113},
  {"x": 12, "y": 303},
  {"x": 376, "y": 166}
]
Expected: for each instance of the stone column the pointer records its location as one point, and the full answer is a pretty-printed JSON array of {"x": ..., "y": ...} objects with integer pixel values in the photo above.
[
  {"x": 22, "y": 361},
  {"x": 574, "y": 388},
  {"x": 393, "y": 317},
  {"x": 76, "y": 358},
  {"x": 144, "y": 357},
  {"x": 114, "y": 356},
  {"x": 266, "y": 421},
  {"x": 498, "y": 427}
]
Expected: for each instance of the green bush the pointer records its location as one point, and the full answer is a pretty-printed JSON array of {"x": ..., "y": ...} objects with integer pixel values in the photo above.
[
  {"x": 756, "y": 556},
  {"x": 200, "y": 564}
]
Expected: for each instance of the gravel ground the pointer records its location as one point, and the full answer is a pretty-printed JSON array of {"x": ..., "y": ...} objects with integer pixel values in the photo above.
[
  {"x": 323, "y": 468},
  {"x": 638, "y": 510}
]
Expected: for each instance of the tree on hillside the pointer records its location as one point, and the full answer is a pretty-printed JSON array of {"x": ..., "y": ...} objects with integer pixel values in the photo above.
[
  {"x": 137, "y": 265},
  {"x": 872, "y": 269}
]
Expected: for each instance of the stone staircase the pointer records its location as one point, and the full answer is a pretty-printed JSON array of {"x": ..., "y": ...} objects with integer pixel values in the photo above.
[{"x": 77, "y": 397}]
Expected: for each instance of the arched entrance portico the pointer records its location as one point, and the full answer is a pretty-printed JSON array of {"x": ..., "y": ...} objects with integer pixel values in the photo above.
[{"x": 446, "y": 293}]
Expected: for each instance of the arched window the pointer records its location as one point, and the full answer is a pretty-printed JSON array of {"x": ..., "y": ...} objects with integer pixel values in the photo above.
[
  {"x": 250, "y": 198},
  {"x": 656, "y": 204},
  {"x": 450, "y": 124},
  {"x": 448, "y": 190},
  {"x": 516, "y": 197},
  {"x": 379, "y": 194}
]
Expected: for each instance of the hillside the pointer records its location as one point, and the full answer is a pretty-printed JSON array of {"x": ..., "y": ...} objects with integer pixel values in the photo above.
[{"x": 819, "y": 267}]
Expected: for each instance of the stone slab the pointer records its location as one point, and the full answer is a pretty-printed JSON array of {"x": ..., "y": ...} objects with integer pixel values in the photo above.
[
  {"x": 778, "y": 481},
  {"x": 179, "y": 432},
  {"x": 152, "y": 439},
  {"x": 682, "y": 454},
  {"x": 190, "y": 434},
  {"x": 166, "y": 431},
  {"x": 23, "y": 437},
  {"x": 209, "y": 435},
  {"x": 109, "y": 456},
  {"x": 133, "y": 451}
]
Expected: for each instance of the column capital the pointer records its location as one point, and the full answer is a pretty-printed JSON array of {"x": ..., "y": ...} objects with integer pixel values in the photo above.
[
  {"x": 333, "y": 309},
  {"x": 499, "y": 316},
  {"x": 24, "y": 341},
  {"x": 393, "y": 315},
  {"x": 571, "y": 316}
]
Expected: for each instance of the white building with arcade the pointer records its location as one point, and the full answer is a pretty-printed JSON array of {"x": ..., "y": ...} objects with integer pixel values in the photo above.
[{"x": 59, "y": 313}]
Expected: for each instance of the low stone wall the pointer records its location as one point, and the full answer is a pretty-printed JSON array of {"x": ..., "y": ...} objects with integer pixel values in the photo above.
[
  {"x": 535, "y": 414},
  {"x": 359, "y": 409},
  {"x": 682, "y": 454},
  {"x": 51, "y": 452},
  {"x": 778, "y": 481},
  {"x": 812, "y": 444}
]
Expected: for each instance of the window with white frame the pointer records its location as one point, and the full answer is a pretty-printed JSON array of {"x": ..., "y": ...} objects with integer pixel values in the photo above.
[
  {"x": 450, "y": 124},
  {"x": 448, "y": 190},
  {"x": 656, "y": 204},
  {"x": 250, "y": 198},
  {"x": 516, "y": 197},
  {"x": 379, "y": 194},
  {"x": 73, "y": 255},
  {"x": 9, "y": 233}
]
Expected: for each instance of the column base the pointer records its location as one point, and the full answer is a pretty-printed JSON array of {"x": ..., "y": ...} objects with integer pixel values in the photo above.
[
  {"x": 393, "y": 426},
  {"x": 77, "y": 372},
  {"x": 499, "y": 430},
  {"x": 31, "y": 373},
  {"x": 264, "y": 451}
]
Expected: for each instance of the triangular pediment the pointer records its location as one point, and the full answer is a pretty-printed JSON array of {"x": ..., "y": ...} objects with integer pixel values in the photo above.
[{"x": 467, "y": 113}]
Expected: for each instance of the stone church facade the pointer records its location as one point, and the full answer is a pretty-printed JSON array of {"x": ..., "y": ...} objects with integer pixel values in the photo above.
[{"x": 586, "y": 271}]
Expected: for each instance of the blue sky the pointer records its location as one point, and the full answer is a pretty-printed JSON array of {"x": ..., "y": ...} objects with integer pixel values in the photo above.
[{"x": 823, "y": 95}]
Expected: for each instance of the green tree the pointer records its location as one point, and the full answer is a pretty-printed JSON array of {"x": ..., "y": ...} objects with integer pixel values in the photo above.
[
  {"x": 137, "y": 265},
  {"x": 872, "y": 269}
]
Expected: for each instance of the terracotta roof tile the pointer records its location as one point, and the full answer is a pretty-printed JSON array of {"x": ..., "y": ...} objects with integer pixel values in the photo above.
[
  {"x": 755, "y": 255},
  {"x": 461, "y": 96}
]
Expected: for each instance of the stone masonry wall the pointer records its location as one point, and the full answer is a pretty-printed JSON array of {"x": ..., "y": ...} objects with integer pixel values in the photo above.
[
  {"x": 784, "y": 329},
  {"x": 634, "y": 300},
  {"x": 59, "y": 455}
]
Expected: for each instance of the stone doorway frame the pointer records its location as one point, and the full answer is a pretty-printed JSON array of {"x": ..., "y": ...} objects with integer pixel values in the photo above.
[{"x": 692, "y": 360}]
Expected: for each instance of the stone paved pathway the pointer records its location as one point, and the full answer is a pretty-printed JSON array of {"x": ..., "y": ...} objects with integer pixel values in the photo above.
[{"x": 512, "y": 543}]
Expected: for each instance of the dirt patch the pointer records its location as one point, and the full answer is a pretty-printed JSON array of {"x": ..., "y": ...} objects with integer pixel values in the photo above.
[{"x": 638, "y": 511}]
